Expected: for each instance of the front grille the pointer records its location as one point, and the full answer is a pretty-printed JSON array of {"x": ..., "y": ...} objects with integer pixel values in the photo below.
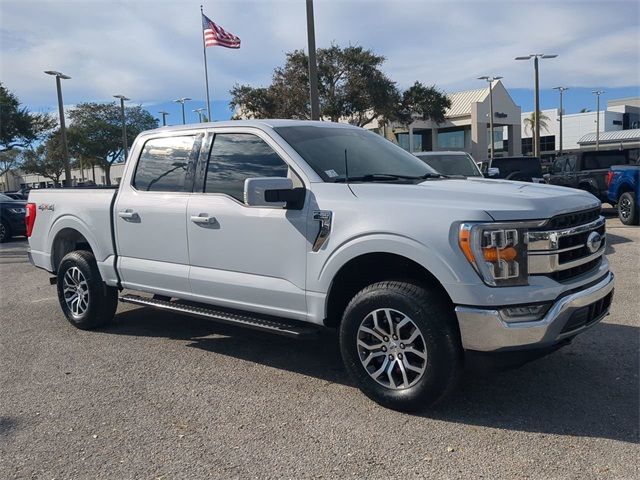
[
  {"x": 580, "y": 239},
  {"x": 569, "y": 273},
  {"x": 559, "y": 249},
  {"x": 587, "y": 315},
  {"x": 574, "y": 219}
]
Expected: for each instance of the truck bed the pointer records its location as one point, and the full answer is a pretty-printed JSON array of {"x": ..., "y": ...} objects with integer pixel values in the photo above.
[{"x": 86, "y": 210}]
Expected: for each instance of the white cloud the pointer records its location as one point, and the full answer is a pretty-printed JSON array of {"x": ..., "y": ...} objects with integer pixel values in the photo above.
[{"x": 152, "y": 51}]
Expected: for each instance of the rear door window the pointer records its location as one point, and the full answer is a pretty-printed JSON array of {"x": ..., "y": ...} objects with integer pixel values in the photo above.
[{"x": 166, "y": 164}]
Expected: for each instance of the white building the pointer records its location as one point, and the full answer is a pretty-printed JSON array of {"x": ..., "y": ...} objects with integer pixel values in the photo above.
[{"x": 621, "y": 114}]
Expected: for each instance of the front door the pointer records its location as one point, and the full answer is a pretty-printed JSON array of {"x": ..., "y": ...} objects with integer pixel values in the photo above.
[
  {"x": 249, "y": 258},
  {"x": 150, "y": 214}
]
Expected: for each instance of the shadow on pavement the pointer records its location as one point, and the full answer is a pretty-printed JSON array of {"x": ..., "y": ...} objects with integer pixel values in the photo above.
[{"x": 587, "y": 389}]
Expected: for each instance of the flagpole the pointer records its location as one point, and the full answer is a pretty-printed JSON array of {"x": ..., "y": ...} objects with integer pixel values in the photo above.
[{"x": 206, "y": 73}]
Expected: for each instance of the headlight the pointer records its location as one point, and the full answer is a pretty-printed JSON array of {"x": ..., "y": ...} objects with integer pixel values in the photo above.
[
  {"x": 20, "y": 211},
  {"x": 497, "y": 252}
]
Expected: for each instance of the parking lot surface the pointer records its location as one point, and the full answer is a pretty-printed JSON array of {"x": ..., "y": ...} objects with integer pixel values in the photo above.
[{"x": 158, "y": 395}]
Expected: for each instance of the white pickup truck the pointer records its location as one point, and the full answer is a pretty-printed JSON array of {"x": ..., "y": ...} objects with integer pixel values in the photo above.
[{"x": 293, "y": 226}]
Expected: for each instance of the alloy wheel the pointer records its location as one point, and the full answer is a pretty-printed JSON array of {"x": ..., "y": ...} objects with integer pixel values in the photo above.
[
  {"x": 625, "y": 208},
  {"x": 76, "y": 291},
  {"x": 391, "y": 348}
]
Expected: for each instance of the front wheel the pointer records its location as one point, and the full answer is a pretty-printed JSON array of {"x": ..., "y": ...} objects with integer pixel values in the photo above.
[
  {"x": 628, "y": 209},
  {"x": 86, "y": 300},
  {"x": 400, "y": 343}
]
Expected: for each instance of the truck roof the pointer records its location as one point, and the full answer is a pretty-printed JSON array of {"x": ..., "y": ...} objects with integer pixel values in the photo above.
[{"x": 272, "y": 123}]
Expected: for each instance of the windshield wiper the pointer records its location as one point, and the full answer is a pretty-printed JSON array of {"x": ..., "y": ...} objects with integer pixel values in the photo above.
[{"x": 388, "y": 177}]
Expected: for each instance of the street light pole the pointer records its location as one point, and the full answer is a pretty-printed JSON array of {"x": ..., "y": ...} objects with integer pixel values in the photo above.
[
  {"x": 63, "y": 128},
  {"x": 561, "y": 90},
  {"x": 164, "y": 117},
  {"x": 124, "y": 124},
  {"x": 199, "y": 112},
  {"x": 182, "y": 101},
  {"x": 598, "y": 93},
  {"x": 313, "y": 65},
  {"x": 536, "y": 96},
  {"x": 490, "y": 80}
]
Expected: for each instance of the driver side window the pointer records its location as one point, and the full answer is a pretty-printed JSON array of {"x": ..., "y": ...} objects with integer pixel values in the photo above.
[{"x": 236, "y": 157}]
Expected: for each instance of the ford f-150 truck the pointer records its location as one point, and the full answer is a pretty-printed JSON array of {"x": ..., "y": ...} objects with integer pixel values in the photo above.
[
  {"x": 623, "y": 183},
  {"x": 292, "y": 226}
]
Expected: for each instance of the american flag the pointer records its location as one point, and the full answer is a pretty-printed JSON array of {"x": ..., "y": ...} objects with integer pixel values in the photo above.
[{"x": 216, "y": 35}]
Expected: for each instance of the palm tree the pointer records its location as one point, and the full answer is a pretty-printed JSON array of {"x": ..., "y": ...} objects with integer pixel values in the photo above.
[{"x": 529, "y": 123}]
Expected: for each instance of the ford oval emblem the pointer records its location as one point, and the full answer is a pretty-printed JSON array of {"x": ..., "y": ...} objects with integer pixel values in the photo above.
[{"x": 594, "y": 241}]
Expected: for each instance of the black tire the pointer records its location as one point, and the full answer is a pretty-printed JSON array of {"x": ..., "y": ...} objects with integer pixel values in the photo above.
[
  {"x": 434, "y": 318},
  {"x": 101, "y": 300},
  {"x": 5, "y": 231},
  {"x": 628, "y": 209}
]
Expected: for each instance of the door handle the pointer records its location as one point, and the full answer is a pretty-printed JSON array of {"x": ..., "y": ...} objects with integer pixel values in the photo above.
[
  {"x": 203, "y": 219},
  {"x": 128, "y": 214}
]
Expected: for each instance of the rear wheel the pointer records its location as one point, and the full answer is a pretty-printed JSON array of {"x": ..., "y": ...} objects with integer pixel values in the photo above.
[
  {"x": 400, "y": 343},
  {"x": 5, "y": 231},
  {"x": 628, "y": 209},
  {"x": 86, "y": 300}
]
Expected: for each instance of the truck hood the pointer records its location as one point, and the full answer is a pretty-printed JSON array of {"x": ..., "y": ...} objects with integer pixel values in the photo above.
[{"x": 503, "y": 200}]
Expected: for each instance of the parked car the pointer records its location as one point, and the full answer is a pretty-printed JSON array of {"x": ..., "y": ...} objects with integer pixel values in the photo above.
[
  {"x": 291, "y": 226},
  {"x": 12, "y": 213},
  {"x": 624, "y": 192},
  {"x": 522, "y": 169},
  {"x": 451, "y": 163},
  {"x": 586, "y": 170}
]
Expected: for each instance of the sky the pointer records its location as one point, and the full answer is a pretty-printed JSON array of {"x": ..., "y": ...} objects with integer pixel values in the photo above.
[{"x": 151, "y": 51}]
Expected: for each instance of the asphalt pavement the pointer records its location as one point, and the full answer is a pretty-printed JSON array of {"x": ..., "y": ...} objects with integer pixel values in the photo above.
[{"x": 158, "y": 395}]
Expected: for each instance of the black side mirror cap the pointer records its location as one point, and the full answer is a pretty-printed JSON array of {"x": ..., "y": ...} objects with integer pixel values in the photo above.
[{"x": 294, "y": 198}]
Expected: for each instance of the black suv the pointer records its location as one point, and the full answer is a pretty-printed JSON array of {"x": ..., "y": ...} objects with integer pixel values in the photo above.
[
  {"x": 586, "y": 170},
  {"x": 11, "y": 217},
  {"x": 523, "y": 169}
]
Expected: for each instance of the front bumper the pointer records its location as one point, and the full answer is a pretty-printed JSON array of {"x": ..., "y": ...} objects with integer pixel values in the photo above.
[{"x": 486, "y": 330}]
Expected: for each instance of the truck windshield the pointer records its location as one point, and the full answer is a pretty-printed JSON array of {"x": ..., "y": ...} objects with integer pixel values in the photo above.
[
  {"x": 370, "y": 157},
  {"x": 450, "y": 164}
]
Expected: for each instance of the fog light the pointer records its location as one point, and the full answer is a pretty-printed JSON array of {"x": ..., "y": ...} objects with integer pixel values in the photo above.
[{"x": 525, "y": 313}]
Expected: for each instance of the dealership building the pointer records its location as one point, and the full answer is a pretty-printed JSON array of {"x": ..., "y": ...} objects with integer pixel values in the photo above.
[
  {"x": 466, "y": 126},
  {"x": 620, "y": 115}
]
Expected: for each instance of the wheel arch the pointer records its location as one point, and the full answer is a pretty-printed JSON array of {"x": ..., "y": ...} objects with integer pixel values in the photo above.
[
  {"x": 69, "y": 233},
  {"x": 372, "y": 267}
]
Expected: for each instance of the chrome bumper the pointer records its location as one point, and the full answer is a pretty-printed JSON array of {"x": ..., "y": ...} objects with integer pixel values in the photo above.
[{"x": 486, "y": 330}]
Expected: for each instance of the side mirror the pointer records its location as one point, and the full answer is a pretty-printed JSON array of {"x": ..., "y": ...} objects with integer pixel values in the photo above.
[
  {"x": 493, "y": 172},
  {"x": 273, "y": 192}
]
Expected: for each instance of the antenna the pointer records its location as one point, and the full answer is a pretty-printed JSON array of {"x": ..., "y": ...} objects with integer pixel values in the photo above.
[{"x": 346, "y": 167}]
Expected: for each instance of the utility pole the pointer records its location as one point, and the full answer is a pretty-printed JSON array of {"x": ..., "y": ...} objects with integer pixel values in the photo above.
[
  {"x": 63, "y": 128},
  {"x": 536, "y": 97},
  {"x": 164, "y": 117},
  {"x": 490, "y": 80},
  {"x": 598, "y": 93},
  {"x": 313, "y": 65},
  {"x": 561, "y": 90},
  {"x": 124, "y": 124},
  {"x": 182, "y": 101}
]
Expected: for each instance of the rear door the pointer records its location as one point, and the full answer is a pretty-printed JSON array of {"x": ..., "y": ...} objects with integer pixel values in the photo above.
[
  {"x": 150, "y": 215},
  {"x": 251, "y": 258}
]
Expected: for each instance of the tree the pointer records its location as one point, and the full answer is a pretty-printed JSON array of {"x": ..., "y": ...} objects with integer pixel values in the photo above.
[
  {"x": 19, "y": 128},
  {"x": 95, "y": 132},
  {"x": 530, "y": 122},
  {"x": 351, "y": 85},
  {"x": 47, "y": 159},
  {"x": 428, "y": 103}
]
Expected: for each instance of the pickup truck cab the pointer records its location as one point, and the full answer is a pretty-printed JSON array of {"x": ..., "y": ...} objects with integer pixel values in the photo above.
[
  {"x": 624, "y": 192},
  {"x": 292, "y": 226},
  {"x": 586, "y": 170}
]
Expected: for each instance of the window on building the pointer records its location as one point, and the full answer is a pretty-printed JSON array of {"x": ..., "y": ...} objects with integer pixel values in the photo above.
[
  {"x": 164, "y": 163},
  {"x": 451, "y": 140},
  {"x": 236, "y": 157}
]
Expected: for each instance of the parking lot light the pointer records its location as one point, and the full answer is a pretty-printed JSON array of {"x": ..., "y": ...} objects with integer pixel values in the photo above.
[
  {"x": 182, "y": 101},
  {"x": 63, "y": 128},
  {"x": 490, "y": 80}
]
